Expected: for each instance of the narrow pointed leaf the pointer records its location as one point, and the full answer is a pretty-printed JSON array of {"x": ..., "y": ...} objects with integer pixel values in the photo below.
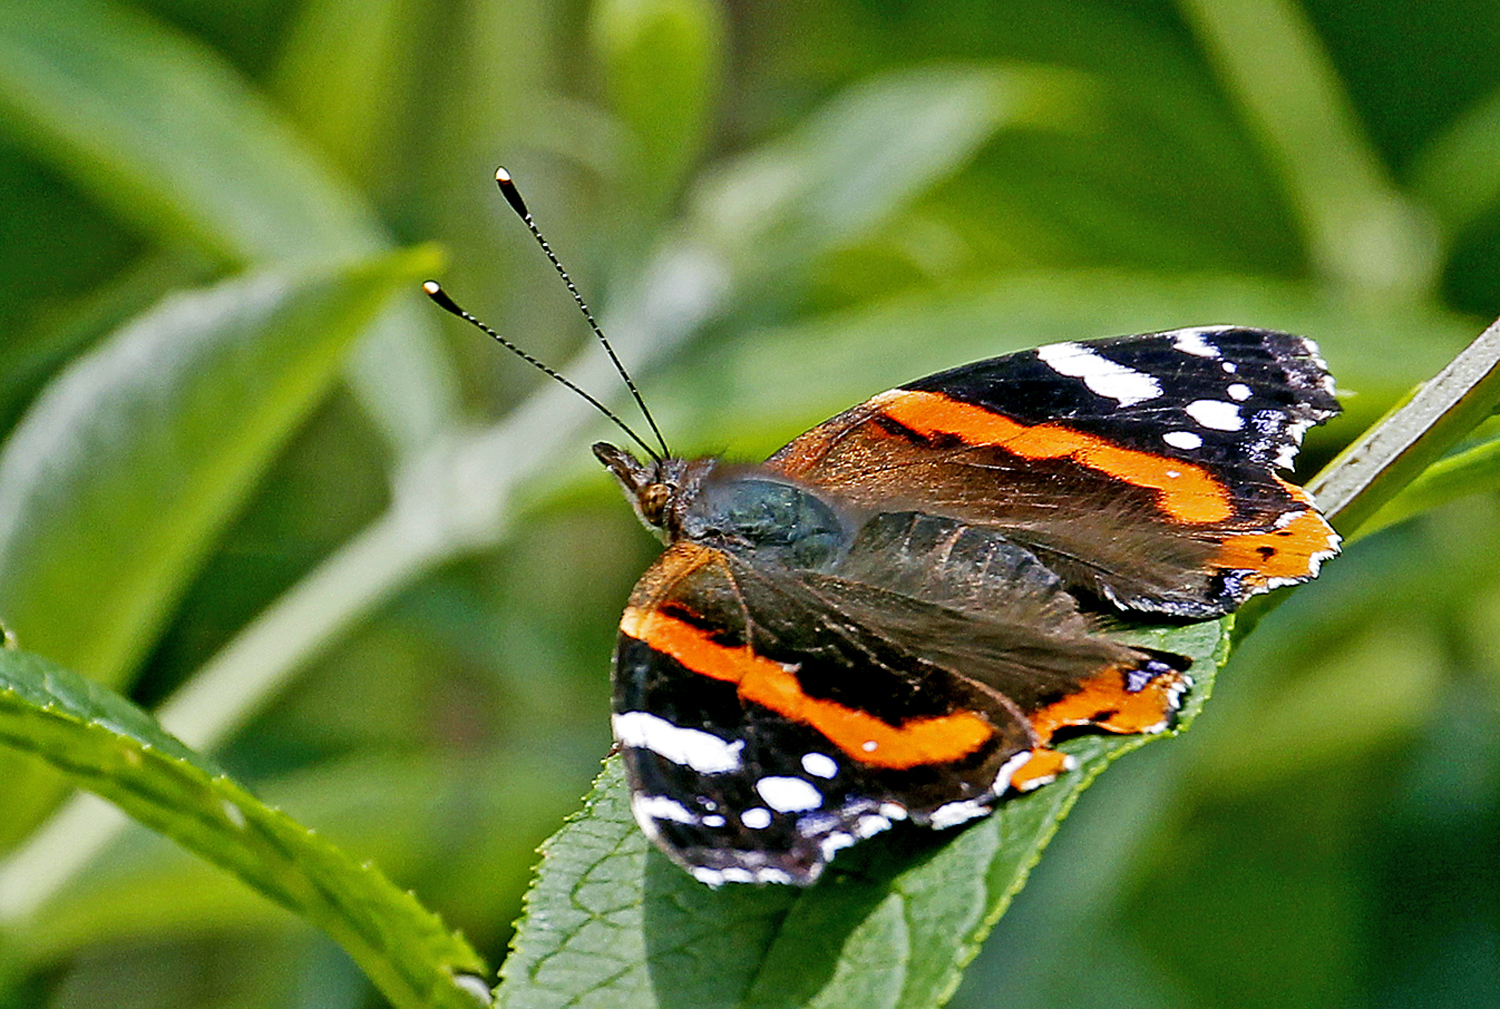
[
  {"x": 1475, "y": 470},
  {"x": 107, "y": 745},
  {"x": 1412, "y": 436},
  {"x": 866, "y": 154},
  {"x": 1358, "y": 228}
]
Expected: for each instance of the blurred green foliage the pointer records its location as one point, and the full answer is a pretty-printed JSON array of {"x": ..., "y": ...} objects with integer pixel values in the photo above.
[{"x": 392, "y": 615}]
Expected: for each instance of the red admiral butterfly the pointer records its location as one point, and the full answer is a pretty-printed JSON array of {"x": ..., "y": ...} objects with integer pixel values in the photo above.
[{"x": 893, "y": 616}]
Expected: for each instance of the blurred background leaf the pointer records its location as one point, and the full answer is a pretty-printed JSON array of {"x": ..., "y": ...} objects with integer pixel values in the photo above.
[
  {"x": 397, "y": 624},
  {"x": 132, "y": 460}
]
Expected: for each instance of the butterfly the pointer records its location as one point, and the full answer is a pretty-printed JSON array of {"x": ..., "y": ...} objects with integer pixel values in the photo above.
[{"x": 893, "y": 616}]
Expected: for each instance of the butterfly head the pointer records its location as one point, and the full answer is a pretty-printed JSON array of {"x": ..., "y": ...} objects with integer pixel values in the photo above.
[
  {"x": 659, "y": 489},
  {"x": 747, "y": 510}
]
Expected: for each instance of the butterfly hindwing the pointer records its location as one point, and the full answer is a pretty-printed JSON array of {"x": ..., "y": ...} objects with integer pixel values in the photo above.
[{"x": 770, "y": 717}]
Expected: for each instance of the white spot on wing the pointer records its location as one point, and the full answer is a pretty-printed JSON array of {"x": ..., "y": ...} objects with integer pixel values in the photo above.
[
  {"x": 756, "y": 818},
  {"x": 1216, "y": 414},
  {"x": 835, "y": 842},
  {"x": 789, "y": 795},
  {"x": 1238, "y": 391},
  {"x": 1185, "y": 440},
  {"x": 954, "y": 813},
  {"x": 819, "y": 765},
  {"x": 703, "y": 751},
  {"x": 1103, "y": 377},
  {"x": 1190, "y": 341},
  {"x": 1010, "y": 767},
  {"x": 659, "y": 807}
]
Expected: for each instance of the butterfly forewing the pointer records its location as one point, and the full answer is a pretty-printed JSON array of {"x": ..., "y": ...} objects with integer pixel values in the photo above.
[{"x": 1141, "y": 469}]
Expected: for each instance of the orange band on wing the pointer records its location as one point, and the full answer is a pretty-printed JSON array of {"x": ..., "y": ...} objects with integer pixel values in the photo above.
[
  {"x": 1185, "y": 492},
  {"x": 865, "y": 738},
  {"x": 1103, "y": 702}
]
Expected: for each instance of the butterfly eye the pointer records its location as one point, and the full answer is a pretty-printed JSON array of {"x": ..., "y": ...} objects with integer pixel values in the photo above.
[{"x": 654, "y": 499}]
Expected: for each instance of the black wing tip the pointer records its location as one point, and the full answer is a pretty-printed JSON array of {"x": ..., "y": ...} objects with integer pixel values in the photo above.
[{"x": 1301, "y": 361}]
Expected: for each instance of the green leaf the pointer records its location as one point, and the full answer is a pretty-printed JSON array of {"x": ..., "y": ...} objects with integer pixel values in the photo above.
[
  {"x": 662, "y": 60},
  {"x": 610, "y": 922},
  {"x": 164, "y": 132},
  {"x": 107, "y": 745},
  {"x": 90, "y": 82},
  {"x": 1359, "y": 229},
  {"x": 117, "y": 480},
  {"x": 1414, "y": 435},
  {"x": 1457, "y": 174},
  {"x": 446, "y": 821}
]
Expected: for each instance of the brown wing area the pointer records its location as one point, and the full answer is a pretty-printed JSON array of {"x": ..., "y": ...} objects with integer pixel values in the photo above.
[
  {"x": 722, "y": 619},
  {"x": 969, "y": 599},
  {"x": 1146, "y": 531}
]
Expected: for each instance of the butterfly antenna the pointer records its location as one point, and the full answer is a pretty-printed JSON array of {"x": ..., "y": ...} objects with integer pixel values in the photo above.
[
  {"x": 513, "y": 197},
  {"x": 435, "y": 291}
]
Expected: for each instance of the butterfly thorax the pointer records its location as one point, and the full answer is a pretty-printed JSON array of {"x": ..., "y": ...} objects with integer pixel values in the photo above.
[{"x": 750, "y": 511}]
